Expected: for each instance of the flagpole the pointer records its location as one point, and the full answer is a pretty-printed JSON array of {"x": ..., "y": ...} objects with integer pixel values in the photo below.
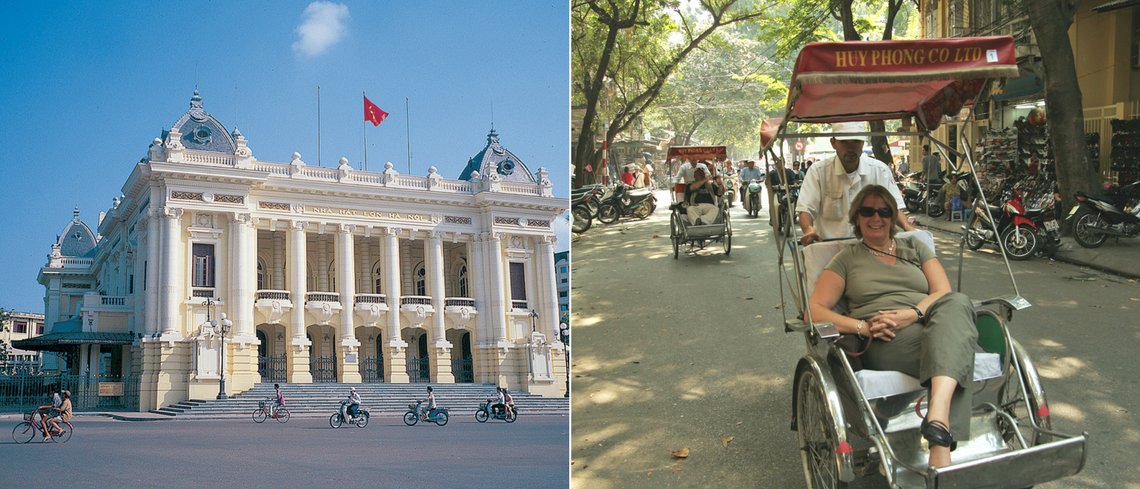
[
  {"x": 318, "y": 125},
  {"x": 365, "y": 126},
  {"x": 408, "y": 133}
]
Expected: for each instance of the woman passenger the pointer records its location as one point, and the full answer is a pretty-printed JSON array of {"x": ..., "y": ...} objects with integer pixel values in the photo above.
[{"x": 899, "y": 296}]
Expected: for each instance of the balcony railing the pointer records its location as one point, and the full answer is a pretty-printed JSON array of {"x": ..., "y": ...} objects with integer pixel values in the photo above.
[
  {"x": 409, "y": 300},
  {"x": 519, "y": 305},
  {"x": 202, "y": 292},
  {"x": 281, "y": 295},
  {"x": 459, "y": 302},
  {"x": 322, "y": 297},
  {"x": 371, "y": 299}
]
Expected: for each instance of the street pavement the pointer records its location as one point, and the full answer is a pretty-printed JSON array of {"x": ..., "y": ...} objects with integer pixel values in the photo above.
[
  {"x": 305, "y": 452},
  {"x": 690, "y": 354}
]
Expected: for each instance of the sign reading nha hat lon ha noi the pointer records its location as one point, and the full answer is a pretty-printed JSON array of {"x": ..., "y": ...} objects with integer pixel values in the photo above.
[{"x": 368, "y": 213}]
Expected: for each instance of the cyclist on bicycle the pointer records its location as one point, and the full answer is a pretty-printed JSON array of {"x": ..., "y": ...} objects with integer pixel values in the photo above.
[
  {"x": 353, "y": 402},
  {"x": 280, "y": 398},
  {"x": 50, "y": 423}
]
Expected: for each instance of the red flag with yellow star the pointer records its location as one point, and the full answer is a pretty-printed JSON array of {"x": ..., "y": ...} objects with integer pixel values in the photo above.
[{"x": 373, "y": 113}]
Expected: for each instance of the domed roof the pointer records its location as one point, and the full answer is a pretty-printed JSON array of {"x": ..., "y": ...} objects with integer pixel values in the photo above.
[
  {"x": 76, "y": 239},
  {"x": 202, "y": 131},
  {"x": 495, "y": 158}
]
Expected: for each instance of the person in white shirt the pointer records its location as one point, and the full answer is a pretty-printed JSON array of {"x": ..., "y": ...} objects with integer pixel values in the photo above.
[{"x": 829, "y": 187}]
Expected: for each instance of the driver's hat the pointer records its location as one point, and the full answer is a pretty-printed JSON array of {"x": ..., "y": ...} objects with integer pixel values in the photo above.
[
  {"x": 353, "y": 389},
  {"x": 841, "y": 127}
]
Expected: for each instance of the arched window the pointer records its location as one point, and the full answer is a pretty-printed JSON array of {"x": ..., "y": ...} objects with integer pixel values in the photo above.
[
  {"x": 262, "y": 279},
  {"x": 377, "y": 279},
  {"x": 462, "y": 279},
  {"x": 420, "y": 279}
]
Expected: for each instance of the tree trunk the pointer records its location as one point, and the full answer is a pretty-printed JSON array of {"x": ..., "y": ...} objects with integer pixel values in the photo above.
[{"x": 1051, "y": 20}]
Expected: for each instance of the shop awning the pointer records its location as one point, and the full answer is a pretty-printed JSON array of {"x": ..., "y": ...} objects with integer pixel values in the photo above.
[{"x": 1018, "y": 88}]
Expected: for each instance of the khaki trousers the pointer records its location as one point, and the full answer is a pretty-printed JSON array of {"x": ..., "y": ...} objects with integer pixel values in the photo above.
[{"x": 945, "y": 345}]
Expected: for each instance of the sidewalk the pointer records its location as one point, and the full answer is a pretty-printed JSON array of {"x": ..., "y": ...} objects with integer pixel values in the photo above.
[
  {"x": 1121, "y": 258},
  {"x": 118, "y": 415}
]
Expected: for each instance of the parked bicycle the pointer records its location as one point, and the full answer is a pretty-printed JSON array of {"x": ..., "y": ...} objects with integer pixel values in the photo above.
[
  {"x": 268, "y": 409},
  {"x": 32, "y": 426}
]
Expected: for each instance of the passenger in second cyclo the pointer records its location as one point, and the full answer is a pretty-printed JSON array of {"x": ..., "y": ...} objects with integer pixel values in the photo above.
[
  {"x": 829, "y": 186},
  {"x": 701, "y": 197}
]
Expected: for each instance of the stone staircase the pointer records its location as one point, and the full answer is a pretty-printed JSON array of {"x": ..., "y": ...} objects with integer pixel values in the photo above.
[{"x": 321, "y": 400}]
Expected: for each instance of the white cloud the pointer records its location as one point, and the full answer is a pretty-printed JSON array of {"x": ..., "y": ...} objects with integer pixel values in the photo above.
[
  {"x": 322, "y": 26},
  {"x": 561, "y": 227}
]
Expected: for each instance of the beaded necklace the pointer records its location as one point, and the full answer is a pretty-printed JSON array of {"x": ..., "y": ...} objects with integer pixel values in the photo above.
[{"x": 890, "y": 250}]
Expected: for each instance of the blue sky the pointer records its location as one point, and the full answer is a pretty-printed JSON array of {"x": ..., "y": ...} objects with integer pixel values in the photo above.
[{"x": 85, "y": 87}]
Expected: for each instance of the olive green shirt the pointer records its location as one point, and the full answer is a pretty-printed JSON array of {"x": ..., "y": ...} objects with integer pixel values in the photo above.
[{"x": 870, "y": 285}]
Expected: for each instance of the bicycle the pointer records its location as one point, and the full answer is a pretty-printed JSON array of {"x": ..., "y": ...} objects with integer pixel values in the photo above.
[
  {"x": 266, "y": 410},
  {"x": 25, "y": 431}
]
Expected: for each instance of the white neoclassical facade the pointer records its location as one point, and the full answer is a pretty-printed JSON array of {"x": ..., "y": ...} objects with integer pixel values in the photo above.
[{"x": 321, "y": 274}]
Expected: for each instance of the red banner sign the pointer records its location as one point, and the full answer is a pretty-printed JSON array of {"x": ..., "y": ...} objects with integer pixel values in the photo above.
[{"x": 698, "y": 152}]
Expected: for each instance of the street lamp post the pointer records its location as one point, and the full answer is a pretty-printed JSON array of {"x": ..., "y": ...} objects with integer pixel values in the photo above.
[
  {"x": 533, "y": 321},
  {"x": 225, "y": 328},
  {"x": 564, "y": 335}
]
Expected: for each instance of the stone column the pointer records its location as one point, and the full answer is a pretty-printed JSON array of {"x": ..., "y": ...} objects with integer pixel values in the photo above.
[
  {"x": 395, "y": 355},
  {"x": 441, "y": 348},
  {"x": 298, "y": 358},
  {"x": 548, "y": 290},
  {"x": 170, "y": 293},
  {"x": 150, "y": 270},
  {"x": 348, "y": 365},
  {"x": 496, "y": 295},
  {"x": 243, "y": 261}
]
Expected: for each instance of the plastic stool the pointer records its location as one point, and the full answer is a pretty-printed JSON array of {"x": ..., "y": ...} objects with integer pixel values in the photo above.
[{"x": 956, "y": 216}]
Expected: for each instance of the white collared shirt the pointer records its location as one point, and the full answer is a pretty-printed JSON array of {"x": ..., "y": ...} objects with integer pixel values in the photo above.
[{"x": 828, "y": 190}]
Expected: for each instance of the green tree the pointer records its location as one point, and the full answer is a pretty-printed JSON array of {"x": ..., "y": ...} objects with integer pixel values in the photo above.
[{"x": 626, "y": 50}]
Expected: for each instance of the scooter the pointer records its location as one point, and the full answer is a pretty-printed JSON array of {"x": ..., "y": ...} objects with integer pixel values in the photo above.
[
  {"x": 487, "y": 411},
  {"x": 580, "y": 210},
  {"x": 341, "y": 417},
  {"x": 730, "y": 189},
  {"x": 438, "y": 415},
  {"x": 753, "y": 196},
  {"x": 1098, "y": 217},
  {"x": 627, "y": 202},
  {"x": 1048, "y": 227},
  {"x": 917, "y": 194},
  {"x": 1015, "y": 229},
  {"x": 591, "y": 196},
  {"x": 786, "y": 196}
]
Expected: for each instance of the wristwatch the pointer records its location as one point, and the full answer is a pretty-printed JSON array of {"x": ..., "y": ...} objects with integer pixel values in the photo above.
[{"x": 921, "y": 318}]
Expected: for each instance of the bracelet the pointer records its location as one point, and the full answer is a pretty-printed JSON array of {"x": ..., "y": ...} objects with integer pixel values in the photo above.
[
  {"x": 859, "y": 328},
  {"x": 920, "y": 318}
]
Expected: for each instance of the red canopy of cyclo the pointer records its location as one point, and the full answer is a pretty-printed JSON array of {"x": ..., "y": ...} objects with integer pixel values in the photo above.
[{"x": 881, "y": 80}]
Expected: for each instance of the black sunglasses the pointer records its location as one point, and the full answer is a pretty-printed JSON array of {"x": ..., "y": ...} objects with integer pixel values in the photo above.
[{"x": 870, "y": 211}]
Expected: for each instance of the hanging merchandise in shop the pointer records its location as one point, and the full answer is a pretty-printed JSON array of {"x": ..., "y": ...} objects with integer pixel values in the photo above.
[
  {"x": 1018, "y": 158},
  {"x": 1126, "y": 150}
]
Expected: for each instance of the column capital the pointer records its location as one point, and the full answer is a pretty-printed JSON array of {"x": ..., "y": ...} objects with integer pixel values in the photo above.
[
  {"x": 243, "y": 218},
  {"x": 298, "y": 225},
  {"x": 435, "y": 235},
  {"x": 346, "y": 228},
  {"x": 172, "y": 212},
  {"x": 549, "y": 240},
  {"x": 391, "y": 231}
]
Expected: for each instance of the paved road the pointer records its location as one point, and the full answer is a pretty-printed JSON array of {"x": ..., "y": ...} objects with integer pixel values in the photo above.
[
  {"x": 305, "y": 452},
  {"x": 691, "y": 353}
]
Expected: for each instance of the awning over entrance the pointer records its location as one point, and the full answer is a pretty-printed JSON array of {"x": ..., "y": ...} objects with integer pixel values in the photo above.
[
  {"x": 1017, "y": 88},
  {"x": 65, "y": 335},
  {"x": 66, "y": 341}
]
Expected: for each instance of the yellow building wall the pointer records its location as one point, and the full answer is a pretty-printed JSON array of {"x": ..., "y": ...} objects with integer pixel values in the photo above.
[{"x": 1102, "y": 46}]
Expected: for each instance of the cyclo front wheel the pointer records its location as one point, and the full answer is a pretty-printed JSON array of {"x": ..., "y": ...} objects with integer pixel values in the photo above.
[
  {"x": 817, "y": 437},
  {"x": 23, "y": 432}
]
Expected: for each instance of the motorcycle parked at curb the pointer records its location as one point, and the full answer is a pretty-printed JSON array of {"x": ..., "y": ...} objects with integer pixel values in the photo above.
[
  {"x": 1096, "y": 218},
  {"x": 580, "y": 210},
  {"x": 438, "y": 415},
  {"x": 625, "y": 201},
  {"x": 486, "y": 411},
  {"x": 341, "y": 417},
  {"x": 1015, "y": 228},
  {"x": 918, "y": 195}
]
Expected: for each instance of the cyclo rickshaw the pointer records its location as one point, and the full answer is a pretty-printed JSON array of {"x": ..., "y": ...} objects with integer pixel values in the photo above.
[
  {"x": 853, "y": 422},
  {"x": 697, "y": 236}
]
